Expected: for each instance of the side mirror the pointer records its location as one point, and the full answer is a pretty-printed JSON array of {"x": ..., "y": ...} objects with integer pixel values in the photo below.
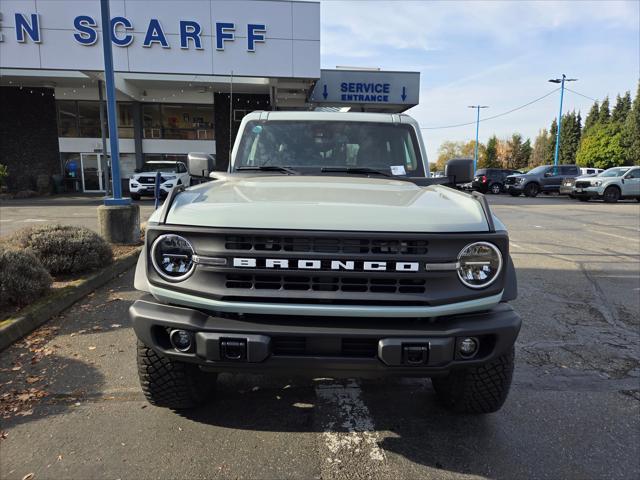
[
  {"x": 461, "y": 169},
  {"x": 548, "y": 174},
  {"x": 201, "y": 164}
]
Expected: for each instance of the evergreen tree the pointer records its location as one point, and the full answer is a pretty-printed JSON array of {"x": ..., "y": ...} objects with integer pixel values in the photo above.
[
  {"x": 630, "y": 135},
  {"x": 621, "y": 109},
  {"x": 490, "y": 157},
  {"x": 604, "y": 116},
  {"x": 592, "y": 117},
  {"x": 570, "y": 138}
]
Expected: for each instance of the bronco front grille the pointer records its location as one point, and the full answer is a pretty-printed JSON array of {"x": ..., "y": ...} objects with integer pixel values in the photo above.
[
  {"x": 326, "y": 245},
  {"x": 332, "y": 283}
]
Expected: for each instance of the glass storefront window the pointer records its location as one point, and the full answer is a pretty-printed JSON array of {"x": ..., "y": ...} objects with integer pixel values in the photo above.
[
  {"x": 125, "y": 120},
  {"x": 89, "y": 119},
  {"x": 67, "y": 118},
  {"x": 151, "y": 121},
  {"x": 178, "y": 122}
]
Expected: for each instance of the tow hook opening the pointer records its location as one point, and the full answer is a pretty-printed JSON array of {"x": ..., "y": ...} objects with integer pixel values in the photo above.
[
  {"x": 415, "y": 354},
  {"x": 234, "y": 350}
]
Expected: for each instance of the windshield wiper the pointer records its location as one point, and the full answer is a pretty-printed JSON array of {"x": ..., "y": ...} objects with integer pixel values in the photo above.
[
  {"x": 353, "y": 170},
  {"x": 269, "y": 168}
]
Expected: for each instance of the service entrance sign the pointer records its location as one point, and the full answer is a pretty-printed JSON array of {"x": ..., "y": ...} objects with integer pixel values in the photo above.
[{"x": 367, "y": 87}]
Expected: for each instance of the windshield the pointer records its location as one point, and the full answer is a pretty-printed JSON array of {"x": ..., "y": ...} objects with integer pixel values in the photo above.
[
  {"x": 168, "y": 167},
  {"x": 538, "y": 170},
  {"x": 309, "y": 146},
  {"x": 614, "y": 172}
]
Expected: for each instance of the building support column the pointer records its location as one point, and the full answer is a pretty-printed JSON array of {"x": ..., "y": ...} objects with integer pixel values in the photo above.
[{"x": 138, "y": 133}]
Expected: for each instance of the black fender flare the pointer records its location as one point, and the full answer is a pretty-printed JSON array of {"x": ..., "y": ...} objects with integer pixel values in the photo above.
[{"x": 510, "y": 291}]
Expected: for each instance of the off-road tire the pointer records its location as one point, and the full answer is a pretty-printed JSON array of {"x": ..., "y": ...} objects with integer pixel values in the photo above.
[
  {"x": 495, "y": 188},
  {"x": 481, "y": 389},
  {"x": 135, "y": 196},
  {"x": 611, "y": 194},
  {"x": 532, "y": 189},
  {"x": 171, "y": 384}
]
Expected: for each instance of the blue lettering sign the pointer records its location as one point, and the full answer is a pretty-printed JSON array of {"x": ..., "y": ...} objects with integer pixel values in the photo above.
[
  {"x": 31, "y": 29},
  {"x": 126, "y": 25},
  {"x": 224, "y": 31},
  {"x": 255, "y": 33},
  {"x": 86, "y": 26},
  {"x": 190, "y": 30},
  {"x": 155, "y": 34}
]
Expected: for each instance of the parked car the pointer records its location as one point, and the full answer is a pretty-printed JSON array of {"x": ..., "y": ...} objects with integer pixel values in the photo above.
[
  {"x": 590, "y": 171},
  {"x": 545, "y": 178},
  {"x": 144, "y": 180},
  {"x": 611, "y": 185},
  {"x": 491, "y": 179}
]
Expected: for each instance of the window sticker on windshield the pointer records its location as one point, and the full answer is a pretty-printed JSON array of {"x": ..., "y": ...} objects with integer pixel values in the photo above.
[
  {"x": 397, "y": 170},
  {"x": 257, "y": 129}
]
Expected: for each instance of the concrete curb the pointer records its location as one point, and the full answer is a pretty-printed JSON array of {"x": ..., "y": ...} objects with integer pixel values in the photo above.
[{"x": 38, "y": 313}]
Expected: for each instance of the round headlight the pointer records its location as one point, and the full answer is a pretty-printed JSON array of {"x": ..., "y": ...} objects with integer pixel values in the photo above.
[
  {"x": 479, "y": 264},
  {"x": 172, "y": 257}
]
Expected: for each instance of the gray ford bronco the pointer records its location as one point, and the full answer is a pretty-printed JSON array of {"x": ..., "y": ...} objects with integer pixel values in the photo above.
[{"x": 326, "y": 249}]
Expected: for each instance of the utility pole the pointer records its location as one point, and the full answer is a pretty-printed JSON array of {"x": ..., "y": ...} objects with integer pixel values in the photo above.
[
  {"x": 475, "y": 157},
  {"x": 119, "y": 220},
  {"x": 561, "y": 82},
  {"x": 112, "y": 114}
]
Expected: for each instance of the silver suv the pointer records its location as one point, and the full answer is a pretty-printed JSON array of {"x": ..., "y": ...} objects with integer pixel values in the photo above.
[{"x": 611, "y": 185}]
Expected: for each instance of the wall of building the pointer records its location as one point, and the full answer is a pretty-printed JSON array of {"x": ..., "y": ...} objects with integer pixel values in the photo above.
[{"x": 28, "y": 135}]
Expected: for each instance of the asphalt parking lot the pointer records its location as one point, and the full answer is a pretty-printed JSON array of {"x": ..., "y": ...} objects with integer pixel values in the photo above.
[
  {"x": 77, "y": 210},
  {"x": 573, "y": 411}
]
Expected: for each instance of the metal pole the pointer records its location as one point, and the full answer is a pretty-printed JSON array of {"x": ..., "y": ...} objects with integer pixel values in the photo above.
[
  {"x": 111, "y": 107},
  {"x": 555, "y": 156},
  {"x": 103, "y": 131},
  {"x": 475, "y": 157}
]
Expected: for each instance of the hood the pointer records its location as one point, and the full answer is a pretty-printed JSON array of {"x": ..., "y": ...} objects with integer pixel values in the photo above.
[{"x": 326, "y": 203}]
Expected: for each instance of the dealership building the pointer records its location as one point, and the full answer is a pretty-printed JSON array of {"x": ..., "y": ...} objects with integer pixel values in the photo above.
[{"x": 186, "y": 74}]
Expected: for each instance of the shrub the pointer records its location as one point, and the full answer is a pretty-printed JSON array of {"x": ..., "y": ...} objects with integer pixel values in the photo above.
[
  {"x": 64, "y": 249},
  {"x": 22, "y": 278}
]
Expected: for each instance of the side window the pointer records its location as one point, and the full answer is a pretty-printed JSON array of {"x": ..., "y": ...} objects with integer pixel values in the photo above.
[{"x": 635, "y": 173}]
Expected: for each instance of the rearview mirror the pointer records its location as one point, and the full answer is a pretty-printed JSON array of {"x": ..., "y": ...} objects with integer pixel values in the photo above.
[{"x": 201, "y": 164}]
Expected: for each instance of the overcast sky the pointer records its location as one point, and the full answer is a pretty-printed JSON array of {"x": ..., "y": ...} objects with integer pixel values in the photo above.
[{"x": 499, "y": 54}]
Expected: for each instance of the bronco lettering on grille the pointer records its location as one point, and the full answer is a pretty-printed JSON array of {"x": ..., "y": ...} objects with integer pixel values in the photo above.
[{"x": 286, "y": 264}]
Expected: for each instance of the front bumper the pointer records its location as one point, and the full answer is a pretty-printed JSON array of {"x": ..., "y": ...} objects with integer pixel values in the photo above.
[
  {"x": 588, "y": 192},
  {"x": 566, "y": 190},
  {"x": 145, "y": 189},
  {"x": 336, "y": 346},
  {"x": 515, "y": 187}
]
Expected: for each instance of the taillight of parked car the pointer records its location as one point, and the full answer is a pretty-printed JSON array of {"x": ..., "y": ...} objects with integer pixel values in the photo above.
[{"x": 484, "y": 179}]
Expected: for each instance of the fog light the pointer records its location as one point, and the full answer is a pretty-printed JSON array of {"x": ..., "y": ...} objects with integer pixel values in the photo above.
[
  {"x": 468, "y": 347},
  {"x": 181, "y": 340}
]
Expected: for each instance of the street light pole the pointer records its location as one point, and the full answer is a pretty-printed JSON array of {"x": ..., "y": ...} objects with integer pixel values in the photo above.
[
  {"x": 561, "y": 82},
  {"x": 109, "y": 81},
  {"x": 475, "y": 157}
]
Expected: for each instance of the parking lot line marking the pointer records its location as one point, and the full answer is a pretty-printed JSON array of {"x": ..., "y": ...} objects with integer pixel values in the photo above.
[
  {"x": 348, "y": 431},
  {"x": 617, "y": 236}
]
